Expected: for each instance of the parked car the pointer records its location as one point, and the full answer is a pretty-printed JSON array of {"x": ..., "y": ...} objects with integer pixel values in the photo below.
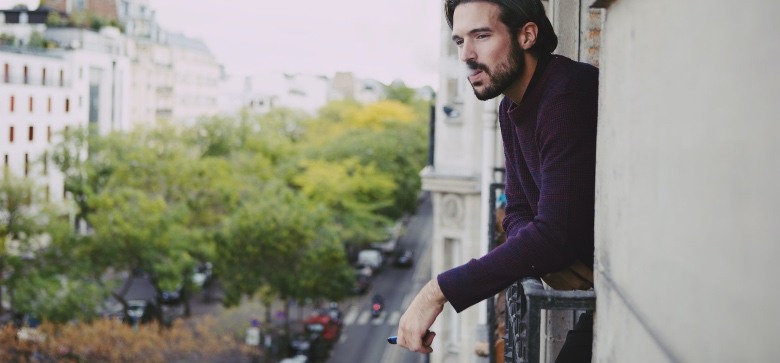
[
  {"x": 404, "y": 258},
  {"x": 328, "y": 327},
  {"x": 362, "y": 284},
  {"x": 370, "y": 258},
  {"x": 202, "y": 274},
  {"x": 140, "y": 312},
  {"x": 390, "y": 241}
]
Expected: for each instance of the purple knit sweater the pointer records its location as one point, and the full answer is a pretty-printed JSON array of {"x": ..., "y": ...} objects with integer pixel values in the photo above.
[{"x": 550, "y": 149}]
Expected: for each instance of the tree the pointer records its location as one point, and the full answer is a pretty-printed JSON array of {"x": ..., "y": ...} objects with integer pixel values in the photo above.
[
  {"x": 30, "y": 232},
  {"x": 398, "y": 91},
  {"x": 389, "y": 135},
  {"x": 20, "y": 231},
  {"x": 352, "y": 193}
]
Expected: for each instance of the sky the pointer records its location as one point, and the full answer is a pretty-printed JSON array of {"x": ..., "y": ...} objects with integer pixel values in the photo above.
[{"x": 380, "y": 39}]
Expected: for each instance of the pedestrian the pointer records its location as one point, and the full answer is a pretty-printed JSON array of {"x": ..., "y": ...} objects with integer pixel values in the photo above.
[{"x": 548, "y": 125}]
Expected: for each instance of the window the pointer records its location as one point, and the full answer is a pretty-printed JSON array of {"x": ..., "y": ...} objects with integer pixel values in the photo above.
[
  {"x": 45, "y": 163},
  {"x": 30, "y": 134},
  {"x": 25, "y": 75},
  {"x": 48, "y": 134},
  {"x": 62, "y": 78},
  {"x": 31, "y": 104},
  {"x": 43, "y": 76},
  {"x": 67, "y": 105},
  {"x": 12, "y": 104},
  {"x": 6, "y": 160},
  {"x": 6, "y": 74},
  {"x": 48, "y": 106},
  {"x": 26, "y": 164},
  {"x": 11, "y": 134}
]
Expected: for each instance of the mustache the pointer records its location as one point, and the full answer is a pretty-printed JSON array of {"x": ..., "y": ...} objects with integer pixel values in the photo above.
[{"x": 474, "y": 65}]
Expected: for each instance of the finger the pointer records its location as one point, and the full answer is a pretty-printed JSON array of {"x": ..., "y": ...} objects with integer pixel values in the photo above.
[{"x": 428, "y": 339}]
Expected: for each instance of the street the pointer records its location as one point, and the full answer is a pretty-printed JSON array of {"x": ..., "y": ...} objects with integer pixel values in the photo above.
[{"x": 364, "y": 339}]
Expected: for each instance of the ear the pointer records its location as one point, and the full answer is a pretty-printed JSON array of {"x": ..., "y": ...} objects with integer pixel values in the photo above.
[{"x": 526, "y": 37}]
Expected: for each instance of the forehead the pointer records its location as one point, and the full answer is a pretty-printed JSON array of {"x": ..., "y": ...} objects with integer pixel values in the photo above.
[{"x": 475, "y": 15}]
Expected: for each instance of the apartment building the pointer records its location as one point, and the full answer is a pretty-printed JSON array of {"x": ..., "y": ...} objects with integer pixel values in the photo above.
[
  {"x": 45, "y": 91},
  {"x": 196, "y": 75},
  {"x": 40, "y": 96}
]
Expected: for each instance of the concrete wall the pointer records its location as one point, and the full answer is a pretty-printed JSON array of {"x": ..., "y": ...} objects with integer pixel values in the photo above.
[{"x": 687, "y": 237}]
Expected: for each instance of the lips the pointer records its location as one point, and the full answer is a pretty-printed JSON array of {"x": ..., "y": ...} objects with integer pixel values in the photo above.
[{"x": 475, "y": 74}]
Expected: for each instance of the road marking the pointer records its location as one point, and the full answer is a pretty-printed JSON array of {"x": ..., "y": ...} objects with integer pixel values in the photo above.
[
  {"x": 350, "y": 317},
  {"x": 343, "y": 338},
  {"x": 394, "y": 317},
  {"x": 363, "y": 319},
  {"x": 379, "y": 320}
]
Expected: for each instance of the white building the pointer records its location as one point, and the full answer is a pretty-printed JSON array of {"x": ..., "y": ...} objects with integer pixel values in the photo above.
[
  {"x": 101, "y": 61},
  {"x": 261, "y": 92},
  {"x": 346, "y": 86},
  {"x": 39, "y": 98},
  {"x": 138, "y": 18},
  {"x": 43, "y": 92},
  {"x": 196, "y": 79}
]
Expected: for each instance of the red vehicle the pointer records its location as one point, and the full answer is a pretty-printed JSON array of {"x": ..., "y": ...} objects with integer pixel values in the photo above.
[{"x": 327, "y": 326}]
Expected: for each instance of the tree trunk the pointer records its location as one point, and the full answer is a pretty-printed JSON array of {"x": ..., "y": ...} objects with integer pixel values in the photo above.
[
  {"x": 287, "y": 318},
  {"x": 2, "y": 277}
]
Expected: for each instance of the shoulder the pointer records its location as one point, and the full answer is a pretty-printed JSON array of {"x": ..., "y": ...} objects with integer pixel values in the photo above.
[{"x": 565, "y": 75}]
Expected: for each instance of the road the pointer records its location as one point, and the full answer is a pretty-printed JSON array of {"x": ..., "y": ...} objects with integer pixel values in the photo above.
[{"x": 365, "y": 339}]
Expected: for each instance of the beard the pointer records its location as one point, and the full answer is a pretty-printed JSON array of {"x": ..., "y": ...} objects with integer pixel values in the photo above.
[{"x": 502, "y": 76}]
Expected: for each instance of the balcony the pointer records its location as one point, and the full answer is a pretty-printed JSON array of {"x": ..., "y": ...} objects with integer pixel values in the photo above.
[{"x": 525, "y": 300}]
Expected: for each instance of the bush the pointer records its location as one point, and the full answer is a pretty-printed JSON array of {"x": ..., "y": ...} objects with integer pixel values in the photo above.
[{"x": 112, "y": 341}]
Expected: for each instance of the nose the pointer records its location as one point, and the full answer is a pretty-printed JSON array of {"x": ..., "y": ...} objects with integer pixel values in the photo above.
[{"x": 467, "y": 52}]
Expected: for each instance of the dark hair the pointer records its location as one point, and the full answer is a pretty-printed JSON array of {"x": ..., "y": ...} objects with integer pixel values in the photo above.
[{"x": 515, "y": 14}]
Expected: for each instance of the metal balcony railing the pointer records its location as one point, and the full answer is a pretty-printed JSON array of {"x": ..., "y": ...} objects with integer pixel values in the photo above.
[{"x": 524, "y": 304}]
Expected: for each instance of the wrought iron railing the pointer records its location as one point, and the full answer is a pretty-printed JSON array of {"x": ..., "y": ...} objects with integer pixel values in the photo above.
[{"x": 524, "y": 304}]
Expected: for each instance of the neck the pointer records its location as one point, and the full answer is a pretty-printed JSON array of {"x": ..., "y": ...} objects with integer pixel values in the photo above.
[{"x": 516, "y": 90}]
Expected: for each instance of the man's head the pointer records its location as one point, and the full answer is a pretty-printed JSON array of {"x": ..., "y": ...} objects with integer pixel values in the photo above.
[{"x": 494, "y": 36}]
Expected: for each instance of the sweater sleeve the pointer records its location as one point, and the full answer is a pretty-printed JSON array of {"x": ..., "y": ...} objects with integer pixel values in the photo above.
[{"x": 547, "y": 242}]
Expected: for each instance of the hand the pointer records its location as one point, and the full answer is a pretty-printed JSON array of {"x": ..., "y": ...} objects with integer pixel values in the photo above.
[{"x": 413, "y": 329}]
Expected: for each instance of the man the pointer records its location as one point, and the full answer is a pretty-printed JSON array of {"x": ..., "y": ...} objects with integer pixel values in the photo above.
[{"x": 548, "y": 124}]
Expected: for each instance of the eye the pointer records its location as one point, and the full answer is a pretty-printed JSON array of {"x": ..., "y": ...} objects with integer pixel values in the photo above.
[
  {"x": 482, "y": 36},
  {"x": 458, "y": 42}
]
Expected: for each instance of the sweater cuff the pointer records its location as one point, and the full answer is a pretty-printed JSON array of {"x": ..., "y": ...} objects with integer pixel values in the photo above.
[{"x": 452, "y": 283}]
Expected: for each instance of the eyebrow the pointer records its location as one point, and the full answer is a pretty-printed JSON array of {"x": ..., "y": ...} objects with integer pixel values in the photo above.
[{"x": 473, "y": 31}]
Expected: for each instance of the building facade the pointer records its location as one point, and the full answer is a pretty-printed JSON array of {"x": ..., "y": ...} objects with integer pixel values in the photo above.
[
  {"x": 46, "y": 91},
  {"x": 39, "y": 98}
]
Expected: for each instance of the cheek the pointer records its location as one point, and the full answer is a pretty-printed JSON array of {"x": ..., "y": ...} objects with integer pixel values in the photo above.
[{"x": 497, "y": 56}]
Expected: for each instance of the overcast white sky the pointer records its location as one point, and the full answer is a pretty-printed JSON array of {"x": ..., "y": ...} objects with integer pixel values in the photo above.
[{"x": 380, "y": 39}]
